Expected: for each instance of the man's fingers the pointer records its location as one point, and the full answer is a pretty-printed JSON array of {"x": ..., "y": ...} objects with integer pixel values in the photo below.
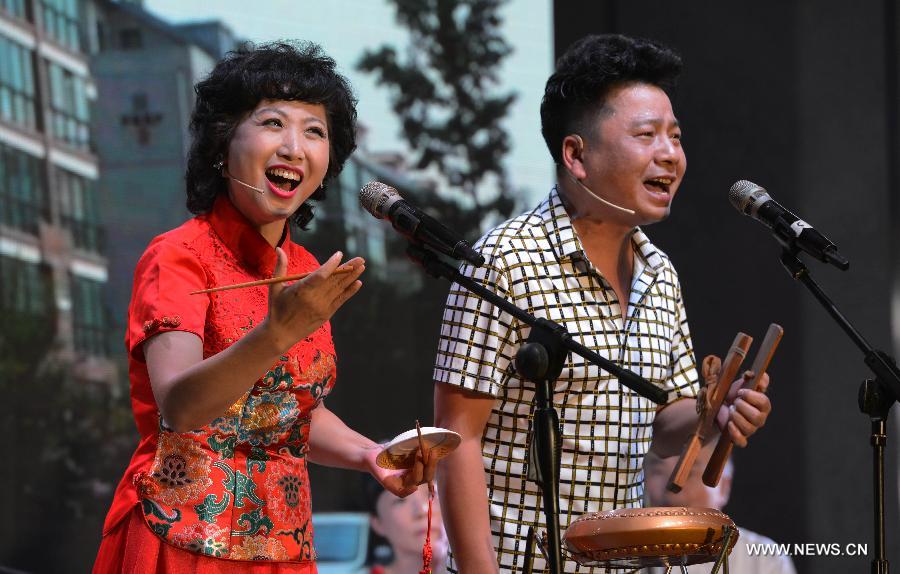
[
  {"x": 741, "y": 421},
  {"x": 737, "y": 437},
  {"x": 756, "y": 399},
  {"x": 753, "y": 414},
  {"x": 763, "y": 383}
]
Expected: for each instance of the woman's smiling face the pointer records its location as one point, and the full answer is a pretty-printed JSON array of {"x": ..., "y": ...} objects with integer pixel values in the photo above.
[{"x": 282, "y": 149}]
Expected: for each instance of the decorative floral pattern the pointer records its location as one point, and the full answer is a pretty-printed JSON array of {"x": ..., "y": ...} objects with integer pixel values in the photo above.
[
  {"x": 320, "y": 371},
  {"x": 259, "y": 548},
  {"x": 288, "y": 488},
  {"x": 203, "y": 538},
  {"x": 267, "y": 418},
  {"x": 180, "y": 470}
]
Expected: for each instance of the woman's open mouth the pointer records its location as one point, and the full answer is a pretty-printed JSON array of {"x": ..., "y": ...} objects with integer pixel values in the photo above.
[{"x": 283, "y": 182}]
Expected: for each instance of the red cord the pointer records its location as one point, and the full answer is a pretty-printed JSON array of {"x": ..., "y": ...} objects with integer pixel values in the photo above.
[{"x": 426, "y": 549}]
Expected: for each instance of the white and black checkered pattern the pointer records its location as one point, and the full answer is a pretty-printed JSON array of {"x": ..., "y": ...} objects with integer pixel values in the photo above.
[{"x": 537, "y": 262}]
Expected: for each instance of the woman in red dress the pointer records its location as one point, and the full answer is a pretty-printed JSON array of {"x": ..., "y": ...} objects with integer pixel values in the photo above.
[{"x": 227, "y": 387}]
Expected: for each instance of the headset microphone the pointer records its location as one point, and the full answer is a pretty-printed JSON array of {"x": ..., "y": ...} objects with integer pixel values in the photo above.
[
  {"x": 598, "y": 198},
  {"x": 256, "y": 189}
]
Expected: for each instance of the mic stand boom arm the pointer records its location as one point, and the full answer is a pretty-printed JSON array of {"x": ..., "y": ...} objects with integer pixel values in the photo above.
[
  {"x": 876, "y": 397},
  {"x": 540, "y": 360}
]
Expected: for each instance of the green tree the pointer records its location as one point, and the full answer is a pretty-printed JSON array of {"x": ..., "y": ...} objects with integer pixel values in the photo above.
[{"x": 443, "y": 91}]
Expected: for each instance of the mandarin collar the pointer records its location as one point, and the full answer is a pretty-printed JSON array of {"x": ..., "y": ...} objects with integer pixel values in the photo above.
[{"x": 244, "y": 241}]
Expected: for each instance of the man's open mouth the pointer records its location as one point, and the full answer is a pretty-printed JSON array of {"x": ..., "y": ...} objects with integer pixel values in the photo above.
[{"x": 661, "y": 183}]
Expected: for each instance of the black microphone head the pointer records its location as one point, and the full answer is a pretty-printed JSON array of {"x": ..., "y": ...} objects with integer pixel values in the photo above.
[
  {"x": 376, "y": 198},
  {"x": 746, "y": 197}
]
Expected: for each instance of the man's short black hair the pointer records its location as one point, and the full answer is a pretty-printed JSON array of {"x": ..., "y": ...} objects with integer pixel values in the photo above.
[
  {"x": 587, "y": 72},
  {"x": 277, "y": 71}
]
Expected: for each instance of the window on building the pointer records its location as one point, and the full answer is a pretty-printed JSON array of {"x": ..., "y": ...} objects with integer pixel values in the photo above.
[
  {"x": 78, "y": 209},
  {"x": 62, "y": 23},
  {"x": 22, "y": 193},
  {"x": 88, "y": 316},
  {"x": 14, "y": 8},
  {"x": 69, "y": 107},
  {"x": 130, "y": 39},
  {"x": 16, "y": 84},
  {"x": 24, "y": 287}
]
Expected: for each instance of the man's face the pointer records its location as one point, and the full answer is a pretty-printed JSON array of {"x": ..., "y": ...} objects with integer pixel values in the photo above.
[{"x": 633, "y": 155}]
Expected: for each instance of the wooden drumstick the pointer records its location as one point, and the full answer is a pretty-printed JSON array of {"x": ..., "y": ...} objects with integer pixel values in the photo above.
[
  {"x": 708, "y": 411},
  {"x": 424, "y": 457},
  {"x": 279, "y": 279},
  {"x": 716, "y": 464}
]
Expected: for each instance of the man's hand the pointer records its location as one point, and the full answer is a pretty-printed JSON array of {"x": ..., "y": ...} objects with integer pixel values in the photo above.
[{"x": 744, "y": 411}]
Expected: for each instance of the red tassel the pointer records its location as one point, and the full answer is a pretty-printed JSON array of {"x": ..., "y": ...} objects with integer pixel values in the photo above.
[{"x": 426, "y": 549}]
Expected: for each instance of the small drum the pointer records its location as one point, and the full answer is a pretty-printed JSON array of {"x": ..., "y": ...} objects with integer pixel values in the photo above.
[{"x": 654, "y": 536}]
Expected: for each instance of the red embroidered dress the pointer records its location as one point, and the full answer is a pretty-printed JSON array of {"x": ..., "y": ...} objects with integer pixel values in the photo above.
[{"x": 238, "y": 488}]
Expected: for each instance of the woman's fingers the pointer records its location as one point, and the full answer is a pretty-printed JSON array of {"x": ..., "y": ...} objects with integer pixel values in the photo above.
[
  {"x": 281, "y": 264},
  {"x": 324, "y": 271}
]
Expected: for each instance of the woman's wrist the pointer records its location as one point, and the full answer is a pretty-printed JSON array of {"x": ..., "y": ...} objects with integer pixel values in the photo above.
[
  {"x": 271, "y": 339},
  {"x": 369, "y": 454}
]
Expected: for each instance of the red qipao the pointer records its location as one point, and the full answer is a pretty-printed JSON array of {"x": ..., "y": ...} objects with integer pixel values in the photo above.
[{"x": 237, "y": 489}]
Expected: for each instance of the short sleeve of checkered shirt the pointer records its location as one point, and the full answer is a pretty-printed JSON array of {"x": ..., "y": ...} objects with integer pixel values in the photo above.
[{"x": 478, "y": 341}]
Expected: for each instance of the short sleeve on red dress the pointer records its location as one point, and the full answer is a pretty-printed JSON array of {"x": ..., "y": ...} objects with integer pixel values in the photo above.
[{"x": 164, "y": 278}]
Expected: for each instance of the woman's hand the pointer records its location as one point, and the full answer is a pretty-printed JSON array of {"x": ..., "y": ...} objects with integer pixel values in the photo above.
[
  {"x": 402, "y": 483},
  {"x": 297, "y": 310}
]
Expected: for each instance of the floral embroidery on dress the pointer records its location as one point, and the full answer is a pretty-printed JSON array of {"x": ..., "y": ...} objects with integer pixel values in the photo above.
[
  {"x": 180, "y": 470},
  {"x": 320, "y": 371},
  {"x": 288, "y": 488},
  {"x": 259, "y": 548},
  {"x": 267, "y": 418},
  {"x": 202, "y": 538}
]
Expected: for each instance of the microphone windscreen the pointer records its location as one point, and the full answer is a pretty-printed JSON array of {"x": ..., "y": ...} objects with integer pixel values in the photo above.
[
  {"x": 743, "y": 192},
  {"x": 375, "y": 196}
]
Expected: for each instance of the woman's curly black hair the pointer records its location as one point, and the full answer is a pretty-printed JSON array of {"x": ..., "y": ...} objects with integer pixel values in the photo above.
[
  {"x": 587, "y": 72},
  {"x": 277, "y": 71}
]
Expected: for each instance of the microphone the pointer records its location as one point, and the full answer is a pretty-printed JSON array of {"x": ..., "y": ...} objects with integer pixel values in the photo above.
[
  {"x": 384, "y": 202},
  {"x": 245, "y": 184},
  {"x": 256, "y": 189},
  {"x": 598, "y": 198},
  {"x": 791, "y": 231}
]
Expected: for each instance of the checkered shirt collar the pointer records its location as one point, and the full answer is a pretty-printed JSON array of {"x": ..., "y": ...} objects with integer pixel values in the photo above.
[{"x": 566, "y": 244}]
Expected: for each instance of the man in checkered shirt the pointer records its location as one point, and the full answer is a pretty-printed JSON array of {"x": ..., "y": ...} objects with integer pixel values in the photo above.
[{"x": 581, "y": 260}]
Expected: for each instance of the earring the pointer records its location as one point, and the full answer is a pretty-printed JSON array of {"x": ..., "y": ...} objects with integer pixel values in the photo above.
[{"x": 219, "y": 164}]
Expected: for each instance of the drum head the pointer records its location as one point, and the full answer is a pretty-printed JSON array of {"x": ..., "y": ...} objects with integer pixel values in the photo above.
[{"x": 644, "y": 537}]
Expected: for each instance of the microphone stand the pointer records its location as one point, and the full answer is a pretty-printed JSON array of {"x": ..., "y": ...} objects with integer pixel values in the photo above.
[
  {"x": 540, "y": 360},
  {"x": 876, "y": 397}
]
